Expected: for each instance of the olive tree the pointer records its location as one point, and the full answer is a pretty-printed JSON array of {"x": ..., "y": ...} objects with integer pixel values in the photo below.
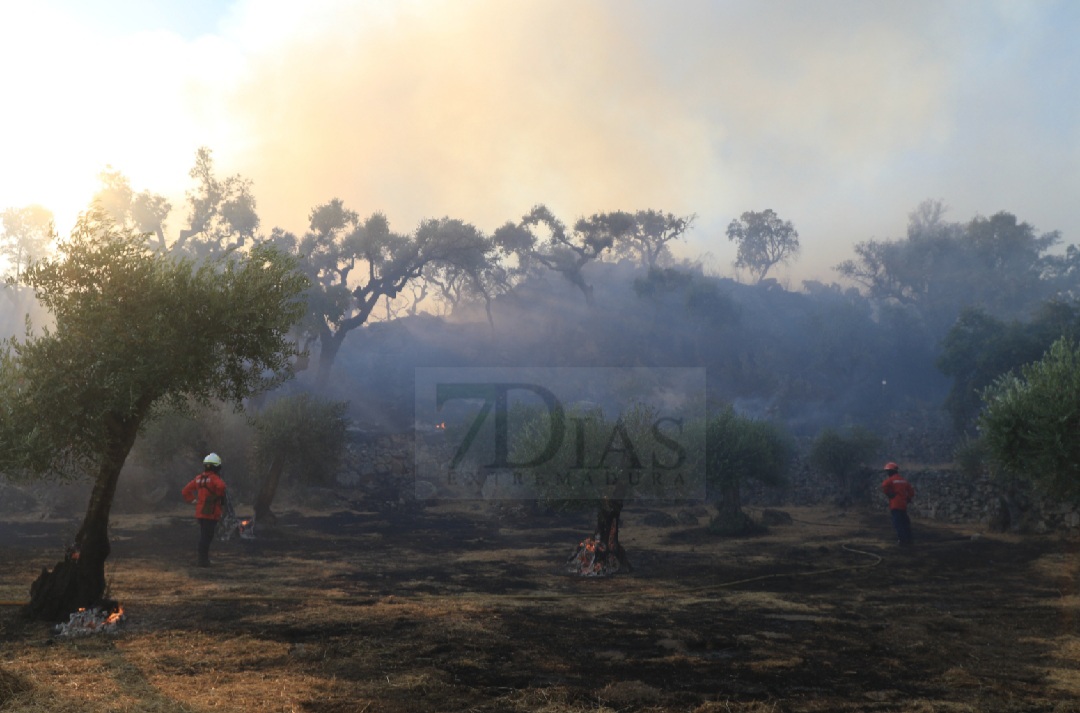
[
  {"x": 843, "y": 456},
  {"x": 301, "y": 434},
  {"x": 739, "y": 450},
  {"x": 132, "y": 331},
  {"x": 1031, "y": 420},
  {"x": 603, "y": 463}
]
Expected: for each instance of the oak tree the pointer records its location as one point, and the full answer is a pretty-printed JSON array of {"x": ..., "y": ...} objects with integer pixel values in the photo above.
[
  {"x": 144, "y": 211},
  {"x": 562, "y": 250},
  {"x": 354, "y": 263},
  {"x": 26, "y": 235},
  {"x": 764, "y": 240},
  {"x": 221, "y": 212}
]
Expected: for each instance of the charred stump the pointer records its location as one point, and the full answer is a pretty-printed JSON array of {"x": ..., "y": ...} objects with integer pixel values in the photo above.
[{"x": 601, "y": 554}]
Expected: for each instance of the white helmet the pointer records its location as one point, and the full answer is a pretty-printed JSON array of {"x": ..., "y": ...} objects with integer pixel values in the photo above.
[{"x": 212, "y": 459}]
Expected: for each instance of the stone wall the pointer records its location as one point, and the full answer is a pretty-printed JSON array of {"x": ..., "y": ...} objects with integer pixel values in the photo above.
[
  {"x": 382, "y": 465},
  {"x": 943, "y": 493},
  {"x": 952, "y": 496}
]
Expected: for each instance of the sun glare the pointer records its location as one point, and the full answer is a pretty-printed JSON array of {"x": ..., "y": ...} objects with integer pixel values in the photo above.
[{"x": 80, "y": 102}]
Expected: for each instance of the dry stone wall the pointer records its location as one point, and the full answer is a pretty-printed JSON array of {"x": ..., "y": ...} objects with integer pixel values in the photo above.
[
  {"x": 383, "y": 465},
  {"x": 953, "y": 496}
]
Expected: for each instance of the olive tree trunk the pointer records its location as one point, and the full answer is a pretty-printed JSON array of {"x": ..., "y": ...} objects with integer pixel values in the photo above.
[
  {"x": 263, "y": 514},
  {"x": 78, "y": 581},
  {"x": 730, "y": 518},
  {"x": 601, "y": 554}
]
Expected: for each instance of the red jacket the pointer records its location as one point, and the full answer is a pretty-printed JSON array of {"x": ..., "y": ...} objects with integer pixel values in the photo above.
[
  {"x": 900, "y": 492},
  {"x": 210, "y": 490}
]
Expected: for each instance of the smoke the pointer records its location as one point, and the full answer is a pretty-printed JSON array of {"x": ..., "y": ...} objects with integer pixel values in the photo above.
[{"x": 838, "y": 115}]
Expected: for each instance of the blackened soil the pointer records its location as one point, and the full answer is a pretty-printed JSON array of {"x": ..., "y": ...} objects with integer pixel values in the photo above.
[{"x": 825, "y": 614}]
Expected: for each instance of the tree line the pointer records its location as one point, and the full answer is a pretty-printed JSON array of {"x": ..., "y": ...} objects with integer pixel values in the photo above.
[{"x": 140, "y": 323}]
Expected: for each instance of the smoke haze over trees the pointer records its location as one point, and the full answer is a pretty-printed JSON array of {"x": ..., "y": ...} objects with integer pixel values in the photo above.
[{"x": 913, "y": 332}]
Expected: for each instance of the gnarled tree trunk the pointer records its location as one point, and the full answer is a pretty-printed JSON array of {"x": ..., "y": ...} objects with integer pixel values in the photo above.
[
  {"x": 730, "y": 518},
  {"x": 78, "y": 581},
  {"x": 263, "y": 514}
]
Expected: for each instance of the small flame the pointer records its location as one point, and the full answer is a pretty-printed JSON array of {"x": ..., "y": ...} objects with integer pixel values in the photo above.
[
  {"x": 591, "y": 544},
  {"x": 116, "y": 615},
  {"x": 440, "y": 426}
]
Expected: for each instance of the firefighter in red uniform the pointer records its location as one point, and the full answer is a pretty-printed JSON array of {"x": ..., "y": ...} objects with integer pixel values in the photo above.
[
  {"x": 900, "y": 492},
  {"x": 207, "y": 491}
]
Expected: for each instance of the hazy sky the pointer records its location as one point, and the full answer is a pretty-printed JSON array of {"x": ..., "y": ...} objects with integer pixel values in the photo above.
[{"x": 841, "y": 116}]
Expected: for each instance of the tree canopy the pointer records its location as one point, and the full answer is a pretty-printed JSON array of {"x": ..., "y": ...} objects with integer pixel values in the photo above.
[
  {"x": 764, "y": 241},
  {"x": 133, "y": 329},
  {"x": 981, "y": 348},
  {"x": 144, "y": 212},
  {"x": 352, "y": 264},
  {"x": 739, "y": 450},
  {"x": 566, "y": 252},
  {"x": 843, "y": 455},
  {"x": 996, "y": 263},
  {"x": 26, "y": 236},
  {"x": 1032, "y": 418}
]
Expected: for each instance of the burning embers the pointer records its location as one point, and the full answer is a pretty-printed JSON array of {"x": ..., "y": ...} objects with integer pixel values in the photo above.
[
  {"x": 103, "y": 619},
  {"x": 232, "y": 524},
  {"x": 592, "y": 559}
]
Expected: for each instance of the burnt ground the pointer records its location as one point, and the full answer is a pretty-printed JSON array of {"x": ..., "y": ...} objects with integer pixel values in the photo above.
[{"x": 453, "y": 608}]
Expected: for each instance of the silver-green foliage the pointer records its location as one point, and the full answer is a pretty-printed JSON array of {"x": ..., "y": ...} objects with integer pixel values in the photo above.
[
  {"x": 843, "y": 455},
  {"x": 1031, "y": 422},
  {"x": 307, "y": 433},
  {"x": 741, "y": 449},
  {"x": 134, "y": 330}
]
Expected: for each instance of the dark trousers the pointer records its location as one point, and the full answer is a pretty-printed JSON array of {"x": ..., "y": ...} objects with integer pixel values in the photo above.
[
  {"x": 206, "y": 536},
  {"x": 902, "y": 524}
]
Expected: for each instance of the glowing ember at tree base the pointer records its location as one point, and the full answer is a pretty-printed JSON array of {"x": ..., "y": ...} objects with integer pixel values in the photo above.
[
  {"x": 601, "y": 555},
  {"x": 105, "y": 619},
  {"x": 232, "y": 524},
  {"x": 592, "y": 559}
]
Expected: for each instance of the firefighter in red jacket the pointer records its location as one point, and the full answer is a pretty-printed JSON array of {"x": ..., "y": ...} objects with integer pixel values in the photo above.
[
  {"x": 900, "y": 492},
  {"x": 207, "y": 491}
]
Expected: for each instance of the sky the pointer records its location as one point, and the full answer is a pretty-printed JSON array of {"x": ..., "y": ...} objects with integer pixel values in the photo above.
[{"x": 840, "y": 116}]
